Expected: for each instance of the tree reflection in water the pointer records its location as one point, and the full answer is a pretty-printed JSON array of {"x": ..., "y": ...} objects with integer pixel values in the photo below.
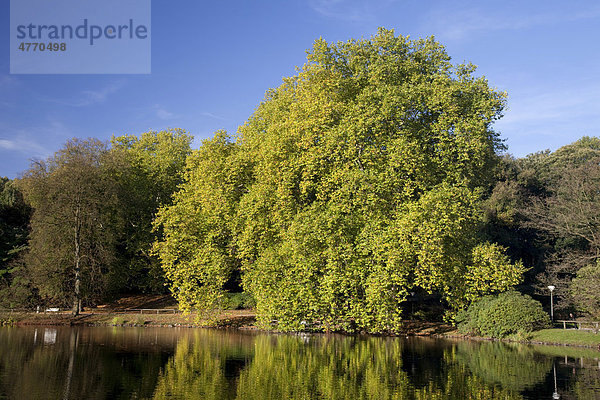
[
  {"x": 329, "y": 367},
  {"x": 126, "y": 363}
]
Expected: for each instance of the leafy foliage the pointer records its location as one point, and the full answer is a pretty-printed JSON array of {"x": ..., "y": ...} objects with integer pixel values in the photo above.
[
  {"x": 545, "y": 209},
  {"x": 148, "y": 170},
  {"x": 14, "y": 222},
  {"x": 71, "y": 245},
  {"x": 238, "y": 301},
  {"x": 355, "y": 181},
  {"x": 197, "y": 254},
  {"x": 502, "y": 315},
  {"x": 584, "y": 289},
  {"x": 15, "y": 286}
]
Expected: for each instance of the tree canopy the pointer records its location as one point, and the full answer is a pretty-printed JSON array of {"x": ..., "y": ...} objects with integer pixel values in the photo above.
[
  {"x": 148, "y": 170},
  {"x": 70, "y": 250},
  {"x": 93, "y": 206},
  {"x": 353, "y": 182},
  {"x": 546, "y": 208},
  {"x": 370, "y": 180}
]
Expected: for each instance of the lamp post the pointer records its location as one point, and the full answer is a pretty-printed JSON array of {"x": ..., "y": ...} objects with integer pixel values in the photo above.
[{"x": 551, "y": 302}]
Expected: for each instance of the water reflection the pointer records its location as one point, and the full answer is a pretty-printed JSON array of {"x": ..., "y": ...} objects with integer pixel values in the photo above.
[{"x": 124, "y": 363}]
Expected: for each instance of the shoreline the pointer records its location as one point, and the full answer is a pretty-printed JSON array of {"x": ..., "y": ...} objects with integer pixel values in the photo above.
[
  {"x": 533, "y": 341},
  {"x": 245, "y": 319},
  {"x": 239, "y": 319}
]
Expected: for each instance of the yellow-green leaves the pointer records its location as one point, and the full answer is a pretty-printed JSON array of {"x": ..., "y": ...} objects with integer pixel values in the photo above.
[
  {"x": 354, "y": 182},
  {"x": 197, "y": 251}
]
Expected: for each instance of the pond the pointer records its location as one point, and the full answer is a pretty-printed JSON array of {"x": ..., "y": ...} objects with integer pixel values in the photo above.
[{"x": 173, "y": 363}]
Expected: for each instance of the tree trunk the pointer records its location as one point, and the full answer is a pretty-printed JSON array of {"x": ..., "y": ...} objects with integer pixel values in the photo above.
[{"x": 74, "y": 340}]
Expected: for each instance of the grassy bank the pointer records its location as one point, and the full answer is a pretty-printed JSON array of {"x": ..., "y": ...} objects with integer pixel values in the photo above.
[
  {"x": 234, "y": 319},
  {"x": 572, "y": 337},
  {"x": 245, "y": 319},
  {"x": 553, "y": 337}
]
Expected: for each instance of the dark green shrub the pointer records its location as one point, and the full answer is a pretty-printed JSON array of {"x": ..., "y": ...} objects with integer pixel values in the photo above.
[
  {"x": 585, "y": 293},
  {"x": 238, "y": 301},
  {"x": 502, "y": 315}
]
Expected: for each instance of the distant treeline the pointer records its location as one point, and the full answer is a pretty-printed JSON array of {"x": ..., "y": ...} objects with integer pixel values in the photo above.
[
  {"x": 370, "y": 179},
  {"x": 78, "y": 226}
]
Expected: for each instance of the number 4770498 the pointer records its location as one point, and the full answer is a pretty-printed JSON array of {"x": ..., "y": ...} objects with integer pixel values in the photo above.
[{"x": 43, "y": 46}]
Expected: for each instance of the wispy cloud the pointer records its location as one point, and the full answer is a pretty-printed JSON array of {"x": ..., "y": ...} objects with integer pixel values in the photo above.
[
  {"x": 213, "y": 116},
  {"x": 550, "y": 118},
  {"x": 24, "y": 145},
  {"x": 100, "y": 96},
  {"x": 553, "y": 106},
  {"x": 457, "y": 23},
  {"x": 90, "y": 97},
  {"x": 164, "y": 114},
  {"x": 29, "y": 140},
  {"x": 349, "y": 10}
]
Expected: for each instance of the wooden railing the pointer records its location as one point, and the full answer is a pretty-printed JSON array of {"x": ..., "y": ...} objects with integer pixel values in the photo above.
[
  {"x": 152, "y": 310},
  {"x": 593, "y": 325},
  {"x": 124, "y": 311}
]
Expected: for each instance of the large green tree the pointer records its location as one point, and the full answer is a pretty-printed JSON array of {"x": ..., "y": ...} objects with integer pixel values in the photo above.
[
  {"x": 71, "y": 247},
  {"x": 14, "y": 223},
  {"x": 546, "y": 209},
  {"x": 148, "y": 169},
  {"x": 198, "y": 253},
  {"x": 354, "y": 182},
  {"x": 15, "y": 286}
]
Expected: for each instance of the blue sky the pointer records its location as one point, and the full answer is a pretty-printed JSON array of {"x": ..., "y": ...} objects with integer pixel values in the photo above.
[{"x": 213, "y": 61}]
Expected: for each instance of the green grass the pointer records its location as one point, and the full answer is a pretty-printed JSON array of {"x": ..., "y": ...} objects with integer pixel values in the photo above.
[{"x": 566, "y": 336}]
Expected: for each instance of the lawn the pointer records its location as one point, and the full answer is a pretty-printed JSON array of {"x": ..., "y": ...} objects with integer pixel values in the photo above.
[{"x": 567, "y": 336}]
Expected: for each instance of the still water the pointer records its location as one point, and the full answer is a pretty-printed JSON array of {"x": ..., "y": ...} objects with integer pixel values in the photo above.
[{"x": 172, "y": 363}]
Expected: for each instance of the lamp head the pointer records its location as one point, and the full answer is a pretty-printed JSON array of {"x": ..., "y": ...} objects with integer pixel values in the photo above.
[{"x": 551, "y": 287}]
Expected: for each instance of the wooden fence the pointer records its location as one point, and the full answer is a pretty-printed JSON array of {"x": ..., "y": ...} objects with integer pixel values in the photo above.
[
  {"x": 588, "y": 325},
  {"x": 152, "y": 310},
  {"x": 125, "y": 311}
]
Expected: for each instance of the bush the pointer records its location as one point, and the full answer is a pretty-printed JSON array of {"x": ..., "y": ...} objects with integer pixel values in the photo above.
[
  {"x": 238, "y": 301},
  {"x": 508, "y": 313},
  {"x": 117, "y": 321}
]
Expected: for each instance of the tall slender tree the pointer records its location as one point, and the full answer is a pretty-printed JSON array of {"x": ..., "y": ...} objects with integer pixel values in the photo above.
[{"x": 72, "y": 240}]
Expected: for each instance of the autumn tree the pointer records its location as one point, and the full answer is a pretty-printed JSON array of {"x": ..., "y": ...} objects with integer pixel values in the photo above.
[
  {"x": 71, "y": 247},
  {"x": 199, "y": 253},
  {"x": 362, "y": 179}
]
